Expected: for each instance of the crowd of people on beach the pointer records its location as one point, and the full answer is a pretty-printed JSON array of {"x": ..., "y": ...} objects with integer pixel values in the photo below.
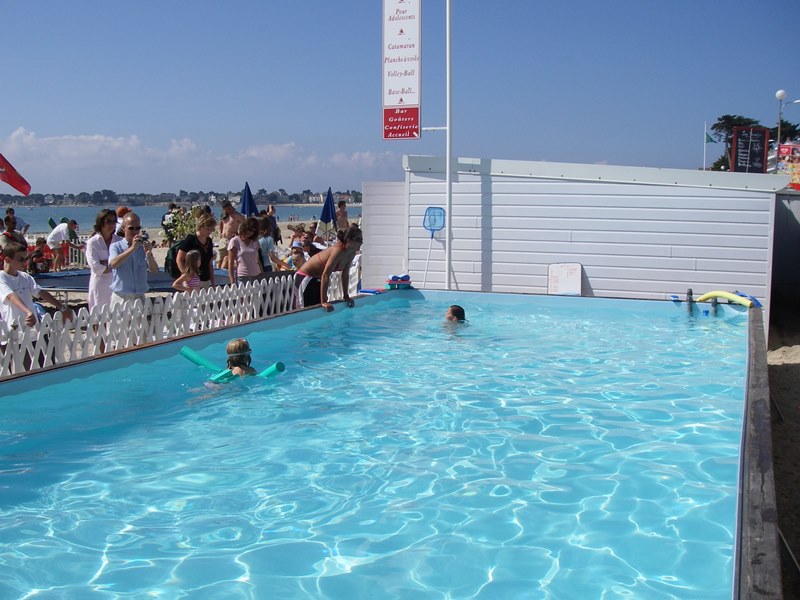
[{"x": 120, "y": 255}]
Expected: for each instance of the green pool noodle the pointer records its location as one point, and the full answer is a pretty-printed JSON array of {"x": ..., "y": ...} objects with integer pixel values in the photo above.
[
  {"x": 227, "y": 375},
  {"x": 278, "y": 367},
  {"x": 200, "y": 361},
  {"x": 223, "y": 375}
]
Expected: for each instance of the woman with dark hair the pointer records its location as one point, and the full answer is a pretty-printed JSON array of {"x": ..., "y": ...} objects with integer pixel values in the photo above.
[
  {"x": 312, "y": 279},
  {"x": 97, "y": 257},
  {"x": 243, "y": 261},
  {"x": 200, "y": 240}
]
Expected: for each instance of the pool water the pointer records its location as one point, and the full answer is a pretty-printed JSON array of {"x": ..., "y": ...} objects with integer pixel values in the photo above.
[{"x": 549, "y": 448}]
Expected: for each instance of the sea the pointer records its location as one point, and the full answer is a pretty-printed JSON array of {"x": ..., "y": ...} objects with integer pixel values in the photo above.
[{"x": 38, "y": 216}]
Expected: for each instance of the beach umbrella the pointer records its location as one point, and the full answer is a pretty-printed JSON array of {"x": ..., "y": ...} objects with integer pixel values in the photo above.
[
  {"x": 249, "y": 208},
  {"x": 326, "y": 226}
]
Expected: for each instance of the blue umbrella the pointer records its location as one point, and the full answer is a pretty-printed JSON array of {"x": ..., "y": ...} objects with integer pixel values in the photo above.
[
  {"x": 327, "y": 220},
  {"x": 249, "y": 208}
]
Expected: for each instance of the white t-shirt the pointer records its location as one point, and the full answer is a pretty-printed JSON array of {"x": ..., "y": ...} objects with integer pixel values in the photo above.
[
  {"x": 59, "y": 234},
  {"x": 24, "y": 286}
]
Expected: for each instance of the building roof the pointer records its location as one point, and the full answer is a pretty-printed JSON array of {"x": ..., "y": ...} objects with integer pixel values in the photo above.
[{"x": 756, "y": 182}]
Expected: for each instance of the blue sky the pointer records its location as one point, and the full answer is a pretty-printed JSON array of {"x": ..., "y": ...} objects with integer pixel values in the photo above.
[{"x": 157, "y": 96}]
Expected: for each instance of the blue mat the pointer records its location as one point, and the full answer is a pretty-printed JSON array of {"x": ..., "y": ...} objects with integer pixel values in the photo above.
[{"x": 78, "y": 281}]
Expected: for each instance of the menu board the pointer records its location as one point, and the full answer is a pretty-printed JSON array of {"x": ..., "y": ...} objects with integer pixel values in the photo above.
[{"x": 750, "y": 149}]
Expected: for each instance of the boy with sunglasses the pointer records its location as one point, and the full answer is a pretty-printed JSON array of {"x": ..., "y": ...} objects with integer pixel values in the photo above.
[{"x": 18, "y": 289}]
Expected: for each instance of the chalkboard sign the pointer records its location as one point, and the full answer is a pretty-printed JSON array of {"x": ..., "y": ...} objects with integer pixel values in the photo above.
[{"x": 750, "y": 149}]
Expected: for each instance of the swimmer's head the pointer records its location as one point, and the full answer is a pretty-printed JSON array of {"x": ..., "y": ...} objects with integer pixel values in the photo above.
[
  {"x": 455, "y": 314},
  {"x": 238, "y": 353}
]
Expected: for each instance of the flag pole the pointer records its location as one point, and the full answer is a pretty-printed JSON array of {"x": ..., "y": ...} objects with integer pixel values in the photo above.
[
  {"x": 705, "y": 143},
  {"x": 448, "y": 166}
]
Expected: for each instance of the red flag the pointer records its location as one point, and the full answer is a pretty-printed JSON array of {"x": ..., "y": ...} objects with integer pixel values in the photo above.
[{"x": 11, "y": 177}]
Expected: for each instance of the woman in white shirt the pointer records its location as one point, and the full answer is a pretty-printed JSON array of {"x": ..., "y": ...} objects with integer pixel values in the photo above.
[{"x": 97, "y": 257}]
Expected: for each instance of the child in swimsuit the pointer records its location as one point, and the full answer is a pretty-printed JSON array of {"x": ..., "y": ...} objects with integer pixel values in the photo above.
[
  {"x": 189, "y": 281},
  {"x": 239, "y": 357}
]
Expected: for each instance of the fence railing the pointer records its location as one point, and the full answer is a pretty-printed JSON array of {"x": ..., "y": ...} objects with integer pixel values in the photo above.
[{"x": 54, "y": 341}]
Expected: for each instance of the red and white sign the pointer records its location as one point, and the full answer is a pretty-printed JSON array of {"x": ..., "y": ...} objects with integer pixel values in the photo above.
[
  {"x": 401, "y": 123},
  {"x": 401, "y": 69},
  {"x": 788, "y": 163}
]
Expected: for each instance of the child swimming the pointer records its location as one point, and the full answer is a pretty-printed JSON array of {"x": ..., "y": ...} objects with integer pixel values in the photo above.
[
  {"x": 238, "y": 351},
  {"x": 455, "y": 314}
]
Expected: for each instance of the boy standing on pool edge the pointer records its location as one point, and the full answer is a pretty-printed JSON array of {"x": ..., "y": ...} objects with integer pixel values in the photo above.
[{"x": 312, "y": 279}]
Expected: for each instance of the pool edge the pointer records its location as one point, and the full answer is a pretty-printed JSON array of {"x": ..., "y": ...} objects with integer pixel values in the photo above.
[{"x": 759, "y": 565}]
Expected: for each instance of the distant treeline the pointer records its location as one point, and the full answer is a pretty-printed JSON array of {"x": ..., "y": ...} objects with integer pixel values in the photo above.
[{"x": 111, "y": 198}]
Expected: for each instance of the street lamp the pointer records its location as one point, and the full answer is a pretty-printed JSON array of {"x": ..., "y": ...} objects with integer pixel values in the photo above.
[{"x": 781, "y": 96}]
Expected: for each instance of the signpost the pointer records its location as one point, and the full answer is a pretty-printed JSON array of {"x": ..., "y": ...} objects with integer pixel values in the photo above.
[
  {"x": 401, "y": 69},
  {"x": 401, "y": 92},
  {"x": 749, "y": 149}
]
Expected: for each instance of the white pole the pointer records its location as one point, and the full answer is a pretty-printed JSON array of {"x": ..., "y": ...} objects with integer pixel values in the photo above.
[
  {"x": 448, "y": 182},
  {"x": 705, "y": 143}
]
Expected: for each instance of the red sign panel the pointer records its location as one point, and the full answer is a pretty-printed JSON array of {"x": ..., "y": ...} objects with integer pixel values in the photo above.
[
  {"x": 401, "y": 123},
  {"x": 789, "y": 163}
]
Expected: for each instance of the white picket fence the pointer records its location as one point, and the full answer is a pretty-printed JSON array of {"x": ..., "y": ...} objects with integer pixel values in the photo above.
[{"x": 55, "y": 342}]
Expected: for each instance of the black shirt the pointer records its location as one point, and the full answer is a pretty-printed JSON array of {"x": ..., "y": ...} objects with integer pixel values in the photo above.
[{"x": 206, "y": 254}]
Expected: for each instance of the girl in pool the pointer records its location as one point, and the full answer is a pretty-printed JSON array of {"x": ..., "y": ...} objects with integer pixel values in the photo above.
[
  {"x": 239, "y": 357},
  {"x": 455, "y": 314},
  {"x": 189, "y": 281}
]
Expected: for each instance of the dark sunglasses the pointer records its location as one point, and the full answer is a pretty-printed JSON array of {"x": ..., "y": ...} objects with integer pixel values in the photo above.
[{"x": 135, "y": 228}]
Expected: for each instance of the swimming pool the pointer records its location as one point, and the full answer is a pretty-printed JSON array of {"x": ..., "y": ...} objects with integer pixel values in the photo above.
[{"x": 550, "y": 448}]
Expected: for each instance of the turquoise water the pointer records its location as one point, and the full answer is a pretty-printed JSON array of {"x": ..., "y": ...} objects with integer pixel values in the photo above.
[{"x": 551, "y": 448}]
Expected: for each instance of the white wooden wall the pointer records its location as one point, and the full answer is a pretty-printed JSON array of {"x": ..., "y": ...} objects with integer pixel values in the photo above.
[
  {"x": 639, "y": 233},
  {"x": 385, "y": 222}
]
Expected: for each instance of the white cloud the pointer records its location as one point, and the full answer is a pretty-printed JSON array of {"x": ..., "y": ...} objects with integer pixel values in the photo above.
[
  {"x": 89, "y": 162},
  {"x": 273, "y": 153}
]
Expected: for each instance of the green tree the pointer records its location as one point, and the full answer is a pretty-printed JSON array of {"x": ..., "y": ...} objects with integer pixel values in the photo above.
[{"x": 789, "y": 131}]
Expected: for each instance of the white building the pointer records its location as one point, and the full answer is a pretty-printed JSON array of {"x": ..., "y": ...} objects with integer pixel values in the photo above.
[{"x": 636, "y": 232}]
